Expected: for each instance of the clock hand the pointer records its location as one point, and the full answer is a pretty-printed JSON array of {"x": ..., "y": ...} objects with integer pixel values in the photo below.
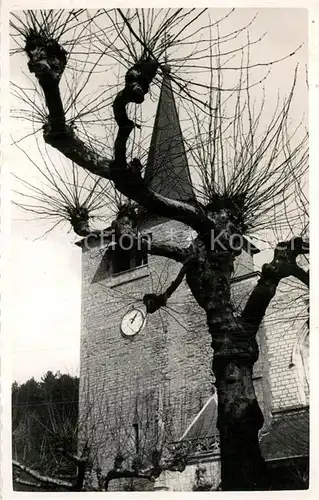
[{"x": 133, "y": 319}]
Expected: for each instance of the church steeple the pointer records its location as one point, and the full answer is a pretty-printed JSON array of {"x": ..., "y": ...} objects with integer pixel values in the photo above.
[{"x": 167, "y": 169}]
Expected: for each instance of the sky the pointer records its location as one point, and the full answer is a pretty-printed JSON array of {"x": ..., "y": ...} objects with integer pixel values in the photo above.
[
  {"x": 45, "y": 290},
  {"x": 46, "y": 322}
]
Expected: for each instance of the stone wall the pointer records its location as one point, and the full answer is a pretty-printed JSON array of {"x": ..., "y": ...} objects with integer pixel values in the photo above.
[
  {"x": 171, "y": 355},
  {"x": 185, "y": 481},
  {"x": 122, "y": 380},
  {"x": 284, "y": 323}
]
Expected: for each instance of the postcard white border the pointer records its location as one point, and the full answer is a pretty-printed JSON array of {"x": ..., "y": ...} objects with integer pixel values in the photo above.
[{"x": 5, "y": 473}]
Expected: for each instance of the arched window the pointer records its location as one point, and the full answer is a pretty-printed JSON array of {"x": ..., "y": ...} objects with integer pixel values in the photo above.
[{"x": 300, "y": 362}]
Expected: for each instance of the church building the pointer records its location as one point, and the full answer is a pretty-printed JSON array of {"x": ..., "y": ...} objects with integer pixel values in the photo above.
[{"x": 146, "y": 382}]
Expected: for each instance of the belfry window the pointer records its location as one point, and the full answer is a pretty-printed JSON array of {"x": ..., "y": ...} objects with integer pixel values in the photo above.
[{"x": 126, "y": 256}]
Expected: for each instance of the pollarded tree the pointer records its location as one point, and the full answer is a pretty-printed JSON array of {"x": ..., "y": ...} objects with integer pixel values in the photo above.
[
  {"x": 249, "y": 168},
  {"x": 55, "y": 449}
]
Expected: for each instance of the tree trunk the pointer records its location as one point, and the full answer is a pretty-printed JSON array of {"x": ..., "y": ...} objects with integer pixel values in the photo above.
[
  {"x": 239, "y": 416},
  {"x": 239, "y": 421},
  {"x": 235, "y": 352}
]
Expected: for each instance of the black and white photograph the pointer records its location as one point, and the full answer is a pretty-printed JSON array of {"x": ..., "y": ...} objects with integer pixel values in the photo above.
[{"x": 158, "y": 297}]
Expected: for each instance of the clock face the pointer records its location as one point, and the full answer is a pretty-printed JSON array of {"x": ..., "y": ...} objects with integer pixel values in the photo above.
[{"x": 133, "y": 322}]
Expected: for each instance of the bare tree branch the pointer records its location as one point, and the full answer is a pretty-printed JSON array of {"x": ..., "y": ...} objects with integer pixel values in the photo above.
[
  {"x": 39, "y": 477},
  {"x": 175, "y": 463},
  {"x": 24, "y": 482},
  {"x": 168, "y": 250},
  {"x": 47, "y": 61},
  {"x": 75, "y": 458},
  {"x": 282, "y": 266},
  {"x": 154, "y": 302}
]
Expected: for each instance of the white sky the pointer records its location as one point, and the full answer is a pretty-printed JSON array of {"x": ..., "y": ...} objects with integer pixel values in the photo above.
[
  {"x": 45, "y": 279},
  {"x": 46, "y": 289}
]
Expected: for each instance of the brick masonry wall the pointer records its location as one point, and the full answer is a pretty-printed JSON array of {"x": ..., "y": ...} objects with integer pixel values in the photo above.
[
  {"x": 171, "y": 356},
  {"x": 172, "y": 353},
  {"x": 185, "y": 481},
  {"x": 283, "y": 324}
]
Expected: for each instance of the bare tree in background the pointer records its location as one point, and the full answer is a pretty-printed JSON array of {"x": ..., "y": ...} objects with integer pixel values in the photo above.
[
  {"x": 248, "y": 170},
  {"x": 72, "y": 458}
]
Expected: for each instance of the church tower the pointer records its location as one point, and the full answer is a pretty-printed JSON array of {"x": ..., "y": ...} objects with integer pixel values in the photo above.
[{"x": 144, "y": 380}]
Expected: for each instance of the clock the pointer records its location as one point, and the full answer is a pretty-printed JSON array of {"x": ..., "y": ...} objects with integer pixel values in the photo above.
[{"x": 133, "y": 322}]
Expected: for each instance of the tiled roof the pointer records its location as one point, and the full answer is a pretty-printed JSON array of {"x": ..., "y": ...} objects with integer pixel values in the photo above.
[
  {"x": 204, "y": 424},
  {"x": 288, "y": 435}
]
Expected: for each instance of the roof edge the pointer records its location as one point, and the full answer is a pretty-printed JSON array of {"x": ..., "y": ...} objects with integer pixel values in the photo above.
[{"x": 213, "y": 397}]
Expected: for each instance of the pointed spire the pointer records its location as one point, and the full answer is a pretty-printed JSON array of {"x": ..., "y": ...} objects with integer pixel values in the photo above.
[{"x": 167, "y": 169}]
